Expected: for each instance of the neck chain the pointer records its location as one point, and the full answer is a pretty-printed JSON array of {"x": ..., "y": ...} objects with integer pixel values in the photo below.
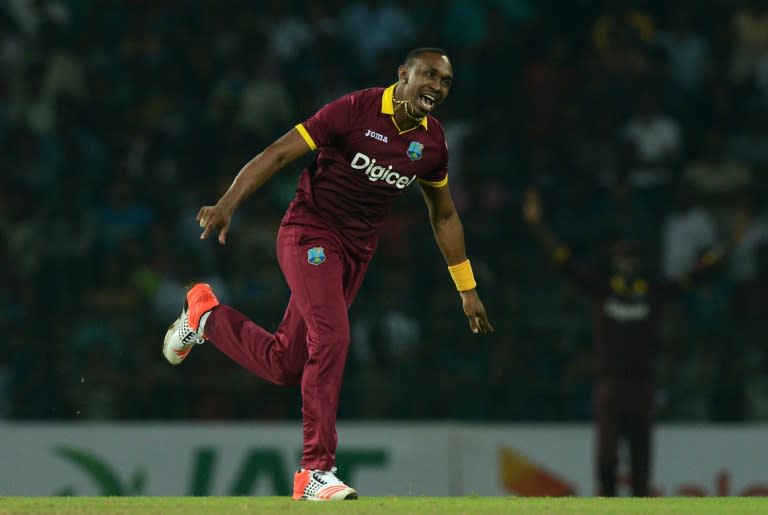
[{"x": 407, "y": 109}]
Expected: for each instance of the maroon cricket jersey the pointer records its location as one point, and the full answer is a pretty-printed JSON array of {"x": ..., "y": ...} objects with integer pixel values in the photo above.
[
  {"x": 363, "y": 163},
  {"x": 627, "y": 317},
  {"x": 626, "y": 323}
]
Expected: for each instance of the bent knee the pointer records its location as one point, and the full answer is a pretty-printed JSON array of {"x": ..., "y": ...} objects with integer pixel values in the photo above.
[
  {"x": 329, "y": 343},
  {"x": 287, "y": 379}
]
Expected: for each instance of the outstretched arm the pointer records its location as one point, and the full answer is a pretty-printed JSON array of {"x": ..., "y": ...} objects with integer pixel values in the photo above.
[
  {"x": 712, "y": 260},
  {"x": 546, "y": 238},
  {"x": 561, "y": 254},
  {"x": 449, "y": 235},
  {"x": 251, "y": 177}
]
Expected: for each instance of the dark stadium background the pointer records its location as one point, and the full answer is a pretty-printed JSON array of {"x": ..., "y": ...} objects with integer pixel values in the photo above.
[{"x": 118, "y": 120}]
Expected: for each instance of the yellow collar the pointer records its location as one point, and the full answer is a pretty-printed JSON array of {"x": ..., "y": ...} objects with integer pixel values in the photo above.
[{"x": 388, "y": 108}]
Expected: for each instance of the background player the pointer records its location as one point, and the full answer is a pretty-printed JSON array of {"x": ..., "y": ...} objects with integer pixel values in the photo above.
[
  {"x": 627, "y": 316},
  {"x": 371, "y": 145}
]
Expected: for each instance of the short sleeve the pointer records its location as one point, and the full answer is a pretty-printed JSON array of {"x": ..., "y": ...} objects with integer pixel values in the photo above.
[
  {"x": 326, "y": 125},
  {"x": 438, "y": 177}
]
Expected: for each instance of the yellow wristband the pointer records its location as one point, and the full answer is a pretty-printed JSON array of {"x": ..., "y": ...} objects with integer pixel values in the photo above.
[{"x": 462, "y": 275}]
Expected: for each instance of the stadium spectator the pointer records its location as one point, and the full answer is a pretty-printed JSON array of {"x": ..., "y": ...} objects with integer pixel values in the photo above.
[
  {"x": 686, "y": 58},
  {"x": 688, "y": 230},
  {"x": 654, "y": 145},
  {"x": 749, "y": 40},
  {"x": 749, "y": 141},
  {"x": 621, "y": 38},
  {"x": 717, "y": 180},
  {"x": 685, "y": 50}
]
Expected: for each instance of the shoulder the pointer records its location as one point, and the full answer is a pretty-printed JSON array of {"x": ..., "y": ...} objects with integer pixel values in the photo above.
[
  {"x": 357, "y": 101},
  {"x": 365, "y": 96},
  {"x": 368, "y": 92}
]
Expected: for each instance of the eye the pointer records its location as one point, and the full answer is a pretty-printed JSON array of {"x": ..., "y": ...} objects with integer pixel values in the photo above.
[
  {"x": 446, "y": 83},
  {"x": 429, "y": 73}
]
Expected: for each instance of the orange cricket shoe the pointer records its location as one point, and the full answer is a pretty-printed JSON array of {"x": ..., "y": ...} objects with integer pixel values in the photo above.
[
  {"x": 321, "y": 485},
  {"x": 183, "y": 333}
]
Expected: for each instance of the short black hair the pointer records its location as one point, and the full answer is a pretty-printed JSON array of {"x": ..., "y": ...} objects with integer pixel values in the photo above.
[{"x": 418, "y": 52}]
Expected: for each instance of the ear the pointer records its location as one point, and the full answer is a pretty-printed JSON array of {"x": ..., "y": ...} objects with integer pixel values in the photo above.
[{"x": 402, "y": 73}]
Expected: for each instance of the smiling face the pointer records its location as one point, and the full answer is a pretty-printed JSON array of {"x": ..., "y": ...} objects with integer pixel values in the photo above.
[{"x": 424, "y": 82}]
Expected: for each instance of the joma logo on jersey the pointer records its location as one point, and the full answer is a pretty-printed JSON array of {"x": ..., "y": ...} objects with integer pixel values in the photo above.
[
  {"x": 376, "y": 136},
  {"x": 380, "y": 173}
]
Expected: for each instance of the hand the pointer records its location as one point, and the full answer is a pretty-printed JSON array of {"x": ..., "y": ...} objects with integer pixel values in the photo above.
[
  {"x": 475, "y": 312},
  {"x": 739, "y": 226},
  {"x": 215, "y": 217},
  {"x": 532, "y": 206}
]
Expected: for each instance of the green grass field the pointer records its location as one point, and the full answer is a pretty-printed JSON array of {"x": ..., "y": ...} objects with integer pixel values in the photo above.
[{"x": 419, "y": 505}]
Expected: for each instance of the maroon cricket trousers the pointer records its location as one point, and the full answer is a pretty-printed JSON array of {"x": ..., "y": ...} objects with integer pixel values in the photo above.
[
  {"x": 310, "y": 345},
  {"x": 624, "y": 410}
]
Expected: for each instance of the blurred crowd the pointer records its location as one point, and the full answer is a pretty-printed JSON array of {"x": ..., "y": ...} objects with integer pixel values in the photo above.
[{"x": 118, "y": 120}]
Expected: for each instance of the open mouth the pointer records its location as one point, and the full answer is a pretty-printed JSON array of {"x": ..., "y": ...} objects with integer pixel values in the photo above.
[{"x": 427, "y": 101}]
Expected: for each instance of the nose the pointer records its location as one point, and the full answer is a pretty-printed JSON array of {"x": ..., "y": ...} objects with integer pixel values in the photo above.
[{"x": 434, "y": 87}]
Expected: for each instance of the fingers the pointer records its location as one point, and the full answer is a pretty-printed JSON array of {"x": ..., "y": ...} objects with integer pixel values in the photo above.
[
  {"x": 479, "y": 323},
  {"x": 203, "y": 220},
  {"x": 207, "y": 229},
  {"x": 205, "y": 223},
  {"x": 473, "y": 324},
  {"x": 209, "y": 220},
  {"x": 484, "y": 324},
  {"x": 210, "y": 226}
]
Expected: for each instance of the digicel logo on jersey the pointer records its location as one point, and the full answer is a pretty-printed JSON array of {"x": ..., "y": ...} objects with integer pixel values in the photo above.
[{"x": 380, "y": 173}]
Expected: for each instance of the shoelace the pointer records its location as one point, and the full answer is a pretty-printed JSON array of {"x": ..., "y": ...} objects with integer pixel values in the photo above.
[
  {"x": 331, "y": 473},
  {"x": 195, "y": 341}
]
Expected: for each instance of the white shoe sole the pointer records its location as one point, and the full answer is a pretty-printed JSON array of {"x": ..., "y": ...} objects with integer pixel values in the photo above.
[
  {"x": 348, "y": 496},
  {"x": 173, "y": 342}
]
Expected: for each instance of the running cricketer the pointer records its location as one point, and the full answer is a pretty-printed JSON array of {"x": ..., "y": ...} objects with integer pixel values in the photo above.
[{"x": 370, "y": 146}]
